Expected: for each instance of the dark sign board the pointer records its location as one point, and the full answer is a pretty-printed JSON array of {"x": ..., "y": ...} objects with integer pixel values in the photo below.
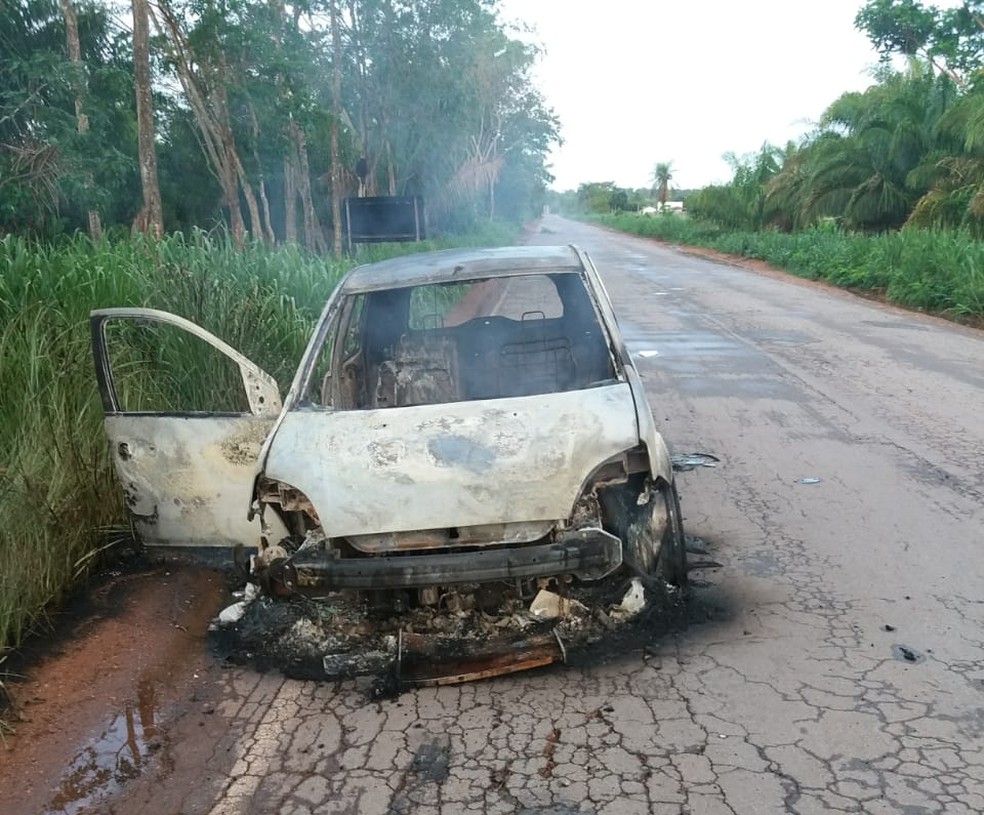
[{"x": 383, "y": 218}]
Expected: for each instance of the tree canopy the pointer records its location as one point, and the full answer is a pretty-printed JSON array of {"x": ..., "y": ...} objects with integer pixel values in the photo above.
[{"x": 435, "y": 99}]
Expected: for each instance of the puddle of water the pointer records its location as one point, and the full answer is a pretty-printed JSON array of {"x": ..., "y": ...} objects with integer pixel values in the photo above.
[{"x": 117, "y": 755}]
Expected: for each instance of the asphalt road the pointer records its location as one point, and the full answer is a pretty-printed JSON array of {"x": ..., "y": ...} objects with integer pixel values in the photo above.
[{"x": 834, "y": 663}]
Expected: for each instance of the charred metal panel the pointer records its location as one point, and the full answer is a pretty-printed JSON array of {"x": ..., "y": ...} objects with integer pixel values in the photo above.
[
  {"x": 451, "y": 536},
  {"x": 459, "y": 264},
  {"x": 425, "y": 661},
  {"x": 659, "y": 455},
  {"x": 589, "y": 554},
  {"x": 465, "y": 464},
  {"x": 187, "y": 480}
]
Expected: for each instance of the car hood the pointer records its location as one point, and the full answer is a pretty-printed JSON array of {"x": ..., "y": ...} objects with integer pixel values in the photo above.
[{"x": 451, "y": 465}]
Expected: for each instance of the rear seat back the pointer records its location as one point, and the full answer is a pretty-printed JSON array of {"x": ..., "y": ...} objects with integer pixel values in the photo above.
[{"x": 423, "y": 371}]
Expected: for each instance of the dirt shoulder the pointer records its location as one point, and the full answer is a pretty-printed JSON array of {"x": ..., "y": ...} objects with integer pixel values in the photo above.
[{"x": 89, "y": 703}]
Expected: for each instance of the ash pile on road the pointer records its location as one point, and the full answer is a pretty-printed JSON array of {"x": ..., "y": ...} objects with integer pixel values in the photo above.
[{"x": 343, "y": 636}]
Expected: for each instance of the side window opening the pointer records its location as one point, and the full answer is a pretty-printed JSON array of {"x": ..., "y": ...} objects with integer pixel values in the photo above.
[
  {"x": 159, "y": 368},
  {"x": 332, "y": 380},
  {"x": 350, "y": 369}
]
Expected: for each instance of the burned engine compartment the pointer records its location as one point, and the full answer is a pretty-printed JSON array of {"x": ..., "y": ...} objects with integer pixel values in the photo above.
[
  {"x": 438, "y": 625},
  {"x": 474, "y": 632}
]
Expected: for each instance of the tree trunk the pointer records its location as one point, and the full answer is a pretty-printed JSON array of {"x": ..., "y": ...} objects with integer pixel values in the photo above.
[
  {"x": 231, "y": 200},
  {"x": 75, "y": 55},
  {"x": 290, "y": 197},
  {"x": 367, "y": 185},
  {"x": 151, "y": 218},
  {"x": 256, "y": 224},
  {"x": 220, "y": 109},
  {"x": 390, "y": 169},
  {"x": 336, "y": 101},
  {"x": 314, "y": 238},
  {"x": 268, "y": 235},
  {"x": 204, "y": 85}
]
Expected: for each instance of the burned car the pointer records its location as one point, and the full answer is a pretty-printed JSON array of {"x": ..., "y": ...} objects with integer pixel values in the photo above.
[{"x": 465, "y": 431}]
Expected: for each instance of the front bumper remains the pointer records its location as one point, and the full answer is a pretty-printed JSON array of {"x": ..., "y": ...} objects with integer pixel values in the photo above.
[
  {"x": 588, "y": 554},
  {"x": 418, "y": 660}
]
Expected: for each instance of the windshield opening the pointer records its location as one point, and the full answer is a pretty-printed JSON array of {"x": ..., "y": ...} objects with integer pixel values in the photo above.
[{"x": 477, "y": 339}]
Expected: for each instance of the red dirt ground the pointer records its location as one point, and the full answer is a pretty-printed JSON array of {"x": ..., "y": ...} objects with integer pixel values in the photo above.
[{"x": 87, "y": 714}]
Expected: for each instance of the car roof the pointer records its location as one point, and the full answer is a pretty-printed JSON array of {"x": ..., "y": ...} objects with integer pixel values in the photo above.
[{"x": 460, "y": 264}]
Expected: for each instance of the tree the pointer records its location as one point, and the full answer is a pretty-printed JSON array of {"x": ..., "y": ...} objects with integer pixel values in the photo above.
[
  {"x": 953, "y": 174},
  {"x": 336, "y": 112},
  {"x": 64, "y": 134},
  {"x": 951, "y": 39},
  {"x": 75, "y": 55},
  {"x": 662, "y": 175},
  {"x": 435, "y": 96},
  {"x": 596, "y": 196},
  {"x": 151, "y": 216},
  {"x": 784, "y": 206},
  {"x": 740, "y": 204},
  {"x": 443, "y": 105},
  {"x": 862, "y": 161},
  {"x": 198, "y": 56}
]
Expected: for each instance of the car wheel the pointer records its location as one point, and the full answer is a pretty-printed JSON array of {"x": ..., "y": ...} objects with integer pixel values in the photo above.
[{"x": 671, "y": 560}]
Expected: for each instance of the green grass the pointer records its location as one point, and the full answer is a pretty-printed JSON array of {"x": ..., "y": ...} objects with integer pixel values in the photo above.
[
  {"x": 59, "y": 504},
  {"x": 937, "y": 271}
]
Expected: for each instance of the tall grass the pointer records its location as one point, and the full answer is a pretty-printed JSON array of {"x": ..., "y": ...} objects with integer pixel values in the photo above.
[
  {"x": 938, "y": 271},
  {"x": 59, "y": 503}
]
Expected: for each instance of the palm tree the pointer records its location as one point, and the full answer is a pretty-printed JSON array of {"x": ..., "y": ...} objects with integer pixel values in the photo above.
[
  {"x": 861, "y": 163},
  {"x": 662, "y": 173},
  {"x": 954, "y": 173},
  {"x": 786, "y": 190}
]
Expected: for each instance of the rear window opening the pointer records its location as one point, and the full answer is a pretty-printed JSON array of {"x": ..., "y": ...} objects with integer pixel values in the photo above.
[{"x": 451, "y": 342}]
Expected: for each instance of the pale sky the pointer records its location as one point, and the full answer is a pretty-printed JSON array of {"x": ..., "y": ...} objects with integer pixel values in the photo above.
[{"x": 635, "y": 82}]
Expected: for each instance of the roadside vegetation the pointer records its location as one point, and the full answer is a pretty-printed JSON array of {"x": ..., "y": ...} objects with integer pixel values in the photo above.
[
  {"x": 885, "y": 194},
  {"x": 934, "y": 270}
]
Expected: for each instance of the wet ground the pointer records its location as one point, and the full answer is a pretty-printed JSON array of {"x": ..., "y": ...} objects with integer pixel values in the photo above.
[
  {"x": 832, "y": 664},
  {"x": 94, "y": 701}
]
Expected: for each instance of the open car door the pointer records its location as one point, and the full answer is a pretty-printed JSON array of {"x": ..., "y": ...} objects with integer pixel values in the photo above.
[{"x": 186, "y": 415}]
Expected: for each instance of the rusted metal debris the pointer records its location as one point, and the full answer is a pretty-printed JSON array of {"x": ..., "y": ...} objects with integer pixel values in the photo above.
[
  {"x": 419, "y": 660},
  {"x": 457, "y": 640}
]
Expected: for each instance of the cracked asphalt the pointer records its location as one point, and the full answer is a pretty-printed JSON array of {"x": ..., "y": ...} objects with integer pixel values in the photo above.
[{"x": 834, "y": 663}]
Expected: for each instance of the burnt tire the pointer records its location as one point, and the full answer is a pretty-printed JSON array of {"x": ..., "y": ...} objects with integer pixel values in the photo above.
[
  {"x": 671, "y": 560},
  {"x": 652, "y": 533}
]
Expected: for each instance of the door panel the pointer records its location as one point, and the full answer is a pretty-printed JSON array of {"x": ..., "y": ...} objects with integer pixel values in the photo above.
[{"x": 186, "y": 470}]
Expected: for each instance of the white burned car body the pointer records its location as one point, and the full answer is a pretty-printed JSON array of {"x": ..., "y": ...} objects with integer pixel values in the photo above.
[{"x": 460, "y": 418}]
